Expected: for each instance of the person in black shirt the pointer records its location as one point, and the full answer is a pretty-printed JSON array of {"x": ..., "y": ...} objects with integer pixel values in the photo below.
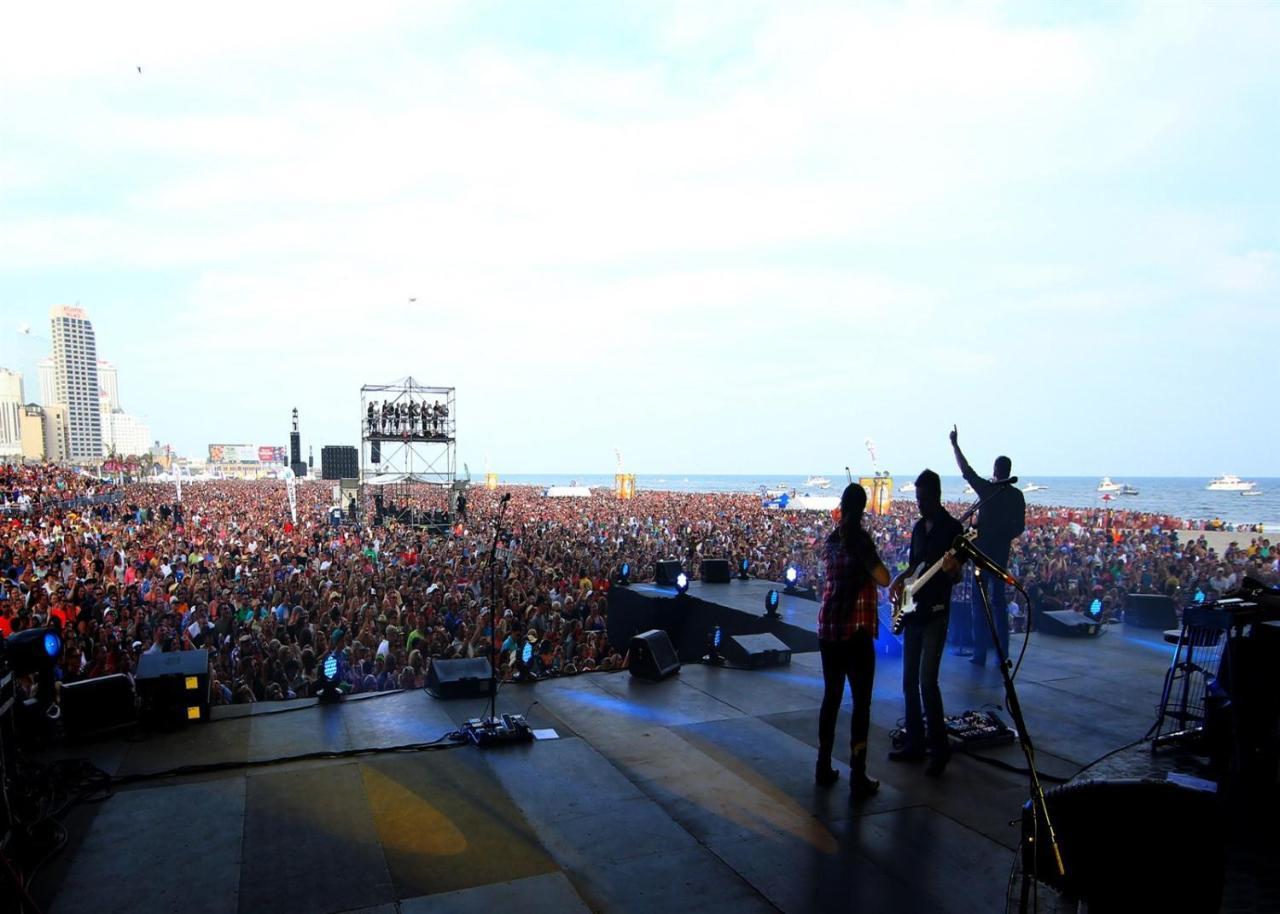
[
  {"x": 1001, "y": 520},
  {"x": 924, "y": 632}
]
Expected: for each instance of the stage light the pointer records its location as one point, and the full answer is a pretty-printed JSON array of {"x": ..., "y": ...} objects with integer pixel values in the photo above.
[
  {"x": 1095, "y": 610},
  {"x": 32, "y": 650},
  {"x": 1199, "y": 596},
  {"x": 791, "y": 577},
  {"x": 624, "y": 574},
  {"x": 329, "y": 690},
  {"x": 771, "y": 604},
  {"x": 682, "y": 583},
  {"x": 713, "y": 654},
  {"x": 742, "y": 568}
]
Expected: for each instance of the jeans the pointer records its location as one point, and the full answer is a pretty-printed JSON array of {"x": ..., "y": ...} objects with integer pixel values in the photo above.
[
  {"x": 853, "y": 660},
  {"x": 999, "y": 614},
  {"x": 922, "y": 645}
]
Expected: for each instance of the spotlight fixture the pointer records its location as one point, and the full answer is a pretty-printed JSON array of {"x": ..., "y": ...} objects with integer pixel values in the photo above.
[
  {"x": 624, "y": 574},
  {"x": 771, "y": 604},
  {"x": 1095, "y": 610},
  {"x": 1199, "y": 598},
  {"x": 743, "y": 566},
  {"x": 682, "y": 583},
  {"x": 32, "y": 650},
  {"x": 791, "y": 576},
  {"x": 713, "y": 654},
  {"x": 329, "y": 690}
]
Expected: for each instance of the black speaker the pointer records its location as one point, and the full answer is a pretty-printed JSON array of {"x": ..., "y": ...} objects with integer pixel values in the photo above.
[
  {"x": 653, "y": 656},
  {"x": 755, "y": 651},
  {"x": 665, "y": 572},
  {"x": 173, "y": 687},
  {"x": 1066, "y": 623},
  {"x": 98, "y": 705},
  {"x": 339, "y": 461},
  {"x": 375, "y": 451},
  {"x": 1118, "y": 839},
  {"x": 715, "y": 571},
  {"x": 469, "y": 678},
  {"x": 1150, "y": 610}
]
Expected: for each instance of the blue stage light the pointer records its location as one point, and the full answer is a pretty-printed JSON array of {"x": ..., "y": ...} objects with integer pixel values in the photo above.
[
  {"x": 52, "y": 644},
  {"x": 771, "y": 604},
  {"x": 682, "y": 582},
  {"x": 331, "y": 667},
  {"x": 715, "y": 636},
  {"x": 624, "y": 574},
  {"x": 1095, "y": 610},
  {"x": 743, "y": 566},
  {"x": 1199, "y": 595},
  {"x": 792, "y": 575}
]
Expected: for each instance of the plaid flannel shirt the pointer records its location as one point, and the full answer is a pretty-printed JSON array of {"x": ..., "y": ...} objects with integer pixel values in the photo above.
[{"x": 844, "y": 611}]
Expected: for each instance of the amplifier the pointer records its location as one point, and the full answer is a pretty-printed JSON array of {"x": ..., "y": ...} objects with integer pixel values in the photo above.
[{"x": 173, "y": 687}]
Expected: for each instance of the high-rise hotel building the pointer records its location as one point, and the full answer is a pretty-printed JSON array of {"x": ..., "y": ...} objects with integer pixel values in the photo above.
[{"x": 75, "y": 379}]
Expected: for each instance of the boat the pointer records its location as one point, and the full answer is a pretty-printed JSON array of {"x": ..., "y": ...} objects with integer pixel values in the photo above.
[
  {"x": 817, "y": 482},
  {"x": 1251, "y": 492},
  {"x": 968, "y": 490},
  {"x": 1033, "y": 487},
  {"x": 1229, "y": 484},
  {"x": 1108, "y": 486},
  {"x": 907, "y": 488},
  {"x": 1127, "y": 489}
]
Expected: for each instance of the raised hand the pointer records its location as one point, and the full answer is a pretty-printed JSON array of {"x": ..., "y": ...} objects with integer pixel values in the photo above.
[{"x": 955, "y": 435}]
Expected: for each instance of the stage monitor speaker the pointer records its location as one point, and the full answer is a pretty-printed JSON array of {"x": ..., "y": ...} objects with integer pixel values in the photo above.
[
  {"x": 375, "y": 451},
  {"x": 1066, "y": 623},
  {"x": 1150, "y": 610},
  {"x": 665, "y": 572},
  {"x": 653, "y": 656},
  {"x": 173, "y": 687},
  {"x": 99, "y": 705},
  {"x": 1118, "y": 839},
  {"x": 715, "y": 571},
  {"x": 755, "y": 651},
  {"x": 468, "y": 678}
]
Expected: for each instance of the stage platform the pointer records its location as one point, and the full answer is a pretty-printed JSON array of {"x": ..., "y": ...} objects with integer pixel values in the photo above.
[{"x": 691, "y": 794}]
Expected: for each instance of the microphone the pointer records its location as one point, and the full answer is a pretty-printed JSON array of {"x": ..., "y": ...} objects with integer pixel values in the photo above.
[{"x": 965, "y": 546}]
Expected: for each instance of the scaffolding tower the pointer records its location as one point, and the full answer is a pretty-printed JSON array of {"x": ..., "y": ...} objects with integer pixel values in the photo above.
[{"x": 408, "y": 441}]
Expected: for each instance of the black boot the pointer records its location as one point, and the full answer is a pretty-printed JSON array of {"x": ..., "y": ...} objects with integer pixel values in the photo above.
[
  {"x": 861, "y": 786},
  {"x": 823, "y": 774}
]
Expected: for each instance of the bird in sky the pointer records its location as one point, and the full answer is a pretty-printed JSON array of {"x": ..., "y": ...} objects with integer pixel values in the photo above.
[
  {"x": 412, "y": 299},
  {"x": 139, "y": 69}
]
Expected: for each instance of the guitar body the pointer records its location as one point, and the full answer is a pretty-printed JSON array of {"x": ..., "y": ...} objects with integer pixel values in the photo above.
[{"x": 905, "y": 605}]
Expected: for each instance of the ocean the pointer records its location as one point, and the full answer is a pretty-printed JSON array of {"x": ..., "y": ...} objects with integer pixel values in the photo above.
[{"x": 1184, "y": 497}]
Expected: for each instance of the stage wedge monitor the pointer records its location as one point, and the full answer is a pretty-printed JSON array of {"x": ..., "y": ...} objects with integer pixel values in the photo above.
[
  {"x": 469, "y": 678},
  {"x": 754, "y": 651},
  {"x": 665, "y": 572},
  {"x": 653, "y": 656},
  {"x": 715, "y": 571}
]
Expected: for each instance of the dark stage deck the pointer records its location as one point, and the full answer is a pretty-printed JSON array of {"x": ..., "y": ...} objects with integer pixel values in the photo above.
[{"x": 695, "y": 793}]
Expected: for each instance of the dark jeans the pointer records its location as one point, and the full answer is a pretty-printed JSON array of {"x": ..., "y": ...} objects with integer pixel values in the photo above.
[
  {"x": 922, "y": 644},
  {"x": 999, "y": 614},
  {"x": 855, "y": 661}
]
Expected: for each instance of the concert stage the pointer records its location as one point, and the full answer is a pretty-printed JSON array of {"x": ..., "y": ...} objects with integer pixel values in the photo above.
[{"x": 695, "y": 793}]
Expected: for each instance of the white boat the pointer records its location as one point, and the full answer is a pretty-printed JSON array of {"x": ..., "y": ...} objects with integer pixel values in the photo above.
[
  {"x": 1128, "y": 490},
  {"x": 1251, "y": 492},
  {"x": 1108, "y": 486},
  {"x": 817, "y": 482},
  {"x": 1229, "y": 484},
  {"x": 968, "y": 490},
  {"x": 907, "y": 488},
  {"x": 1033, "y": 487}
]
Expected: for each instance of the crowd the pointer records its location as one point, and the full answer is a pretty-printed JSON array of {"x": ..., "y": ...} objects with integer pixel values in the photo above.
[{"x": 228, "y": 571}]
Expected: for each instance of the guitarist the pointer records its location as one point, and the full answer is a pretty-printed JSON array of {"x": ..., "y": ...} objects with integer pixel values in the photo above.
[
  {"x": 1001, "y": 520},
  {"x": 847, "y": 624},
  {"x": 924, "y": 632}
]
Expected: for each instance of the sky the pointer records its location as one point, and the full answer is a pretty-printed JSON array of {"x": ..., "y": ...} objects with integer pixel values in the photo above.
[{"x": 721, "y": 237}]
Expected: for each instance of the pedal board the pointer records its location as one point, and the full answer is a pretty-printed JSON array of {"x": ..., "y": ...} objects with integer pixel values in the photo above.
[
  {"x": 500, "y": 731},
  {"x": 979, "y": 729}
]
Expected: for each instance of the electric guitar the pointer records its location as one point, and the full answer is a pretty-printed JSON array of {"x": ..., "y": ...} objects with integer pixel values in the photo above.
[{"x": 906, "y": 604}]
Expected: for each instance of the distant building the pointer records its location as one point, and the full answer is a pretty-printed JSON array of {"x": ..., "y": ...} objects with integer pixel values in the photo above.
[
  {"x": 108, "y": 387},
  {"x": 48, "y": 391},
  {"x": 10, "y": 413},
  {"x": 46, "y": 432},
  {"x": 125, "y": 435},
  {"x": 31, "y": 427},
  {"x": 75, "y": 379}
]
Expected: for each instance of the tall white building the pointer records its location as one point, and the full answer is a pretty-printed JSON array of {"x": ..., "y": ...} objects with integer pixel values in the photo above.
[
  {"x": 10, "y": 413},
  {"x": 125, "y": 435},
  {"x": 75, "y": 379},
  {"x": 108, "y": 386},
  {"x": 48, "y": 397}
]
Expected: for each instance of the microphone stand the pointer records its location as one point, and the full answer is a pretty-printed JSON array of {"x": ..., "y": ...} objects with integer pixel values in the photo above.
[
  {"x": 493, "y": 615},
  {"x": 1038, "y": 807}
]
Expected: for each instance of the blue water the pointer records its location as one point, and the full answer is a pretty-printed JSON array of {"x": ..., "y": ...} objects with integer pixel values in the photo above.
[{"x": 1184, "y": 497}]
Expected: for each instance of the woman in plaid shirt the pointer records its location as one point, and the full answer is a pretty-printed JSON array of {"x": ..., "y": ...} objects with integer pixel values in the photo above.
[{"x": 847, "y": 625}]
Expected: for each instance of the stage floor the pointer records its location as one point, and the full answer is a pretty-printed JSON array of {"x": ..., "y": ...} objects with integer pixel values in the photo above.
[{"x": 695, "y": 793}]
